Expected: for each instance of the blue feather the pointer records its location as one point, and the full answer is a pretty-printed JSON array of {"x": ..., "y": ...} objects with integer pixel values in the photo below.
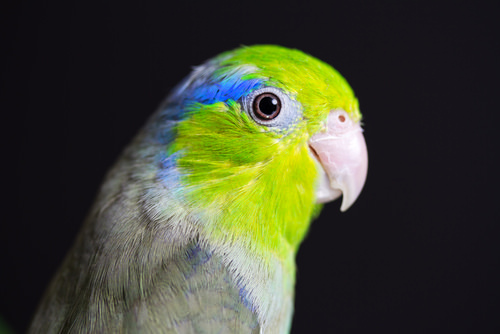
[{"x": 231, "y": 88}]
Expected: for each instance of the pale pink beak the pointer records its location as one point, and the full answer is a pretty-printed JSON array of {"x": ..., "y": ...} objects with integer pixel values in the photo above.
[{"x": 341, "y": 152}]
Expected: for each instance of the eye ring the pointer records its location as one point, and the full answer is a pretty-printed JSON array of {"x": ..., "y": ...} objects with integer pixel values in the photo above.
[
  {"x": 284, "y": 112},
  {"x": 267, "y": 106}
]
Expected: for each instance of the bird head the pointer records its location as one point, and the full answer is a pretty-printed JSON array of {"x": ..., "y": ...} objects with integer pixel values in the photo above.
[{"x": 256, "y": 139}]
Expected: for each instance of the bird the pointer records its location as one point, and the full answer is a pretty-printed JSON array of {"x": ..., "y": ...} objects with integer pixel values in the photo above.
[{"x": 196, "y": 227}]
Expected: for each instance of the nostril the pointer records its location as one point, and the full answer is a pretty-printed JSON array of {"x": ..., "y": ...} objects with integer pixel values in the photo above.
[{"x": 341, "y": 118}]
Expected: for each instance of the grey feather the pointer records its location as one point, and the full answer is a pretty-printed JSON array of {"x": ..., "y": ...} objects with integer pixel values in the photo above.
[{"x": 134, "y": 269}]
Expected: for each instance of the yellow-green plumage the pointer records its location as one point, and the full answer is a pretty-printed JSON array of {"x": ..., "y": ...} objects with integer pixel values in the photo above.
[
  {"x": 233, "y": 164},
  {"x": 196, "y": 228},
  {"x": 233, "y": 177}
]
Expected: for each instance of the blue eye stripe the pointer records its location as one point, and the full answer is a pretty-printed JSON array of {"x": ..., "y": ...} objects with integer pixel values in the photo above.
[{"x": 232, "y": 88}]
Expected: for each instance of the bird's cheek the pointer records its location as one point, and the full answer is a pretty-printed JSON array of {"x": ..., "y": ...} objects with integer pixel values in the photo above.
[{"x": 341, "y": 151}]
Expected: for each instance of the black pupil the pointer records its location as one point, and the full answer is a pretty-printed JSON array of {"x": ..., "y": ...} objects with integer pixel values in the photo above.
[{"x": 268, "y": 105}]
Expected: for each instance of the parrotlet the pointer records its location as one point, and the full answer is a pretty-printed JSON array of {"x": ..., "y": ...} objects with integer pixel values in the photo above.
[{"x": 196, "y": 227}]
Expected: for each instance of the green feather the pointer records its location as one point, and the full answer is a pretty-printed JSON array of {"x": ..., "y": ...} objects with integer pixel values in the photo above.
[{"x": 239, "y": 174}]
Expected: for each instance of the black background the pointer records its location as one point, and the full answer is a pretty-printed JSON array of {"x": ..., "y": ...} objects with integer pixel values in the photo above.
[{"x": 417, "y": 253}]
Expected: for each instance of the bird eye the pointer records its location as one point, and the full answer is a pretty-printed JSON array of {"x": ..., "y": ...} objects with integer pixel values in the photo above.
[
  {"x": 266, "y": 106},
  {"x": 271, "y": 107}
]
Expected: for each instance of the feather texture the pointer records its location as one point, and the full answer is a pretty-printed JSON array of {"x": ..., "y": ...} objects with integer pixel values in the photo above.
[{"x": 196, "y": 227}]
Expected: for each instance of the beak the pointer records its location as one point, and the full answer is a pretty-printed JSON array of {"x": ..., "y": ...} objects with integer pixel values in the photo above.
[{"x": 341, "y": 152}]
